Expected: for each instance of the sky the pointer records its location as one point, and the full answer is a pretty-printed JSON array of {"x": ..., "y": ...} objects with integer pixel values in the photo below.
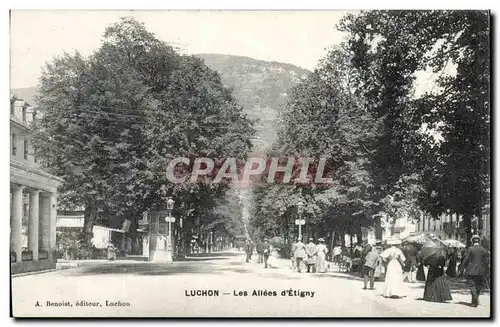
[{"x": 299, "y": 38}]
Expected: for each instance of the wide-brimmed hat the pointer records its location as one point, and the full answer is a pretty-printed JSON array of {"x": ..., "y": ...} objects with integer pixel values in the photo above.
[
  {"x": 321, "y": 240},
  {"x": 475, "y": 237}
]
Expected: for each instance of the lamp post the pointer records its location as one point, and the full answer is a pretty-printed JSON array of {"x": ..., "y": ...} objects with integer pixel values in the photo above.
[
  {"x": 170, "y": 220},
  {"x": 210, "y": 248},
  {"x": 300, "y": 221}
]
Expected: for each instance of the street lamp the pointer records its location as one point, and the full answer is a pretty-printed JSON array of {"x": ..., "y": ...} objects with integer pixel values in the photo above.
[
  {"x": 170, "y": 220},
  {"x": 300, "y": 221},
  {"x": 211, "y": 241}
]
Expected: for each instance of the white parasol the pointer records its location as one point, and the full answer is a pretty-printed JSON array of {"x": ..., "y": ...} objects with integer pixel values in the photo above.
[{"x": 453, "y": 243}]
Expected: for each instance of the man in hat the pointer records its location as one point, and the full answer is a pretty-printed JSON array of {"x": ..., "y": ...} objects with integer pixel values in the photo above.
[
  {"x": 372, "y": 260},
  {"x": 311, "y": 256},
  {"x": 292, "y": 253},
  {"x": 248, "y": 249},
  {"x": 266, "y": 250},
  {"x": 476, "y": 268},
  {"x": 337, "y": 254},
  {"x": 300, "y": 253}
]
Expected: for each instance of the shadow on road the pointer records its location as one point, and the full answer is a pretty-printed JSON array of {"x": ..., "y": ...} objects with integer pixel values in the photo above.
[
  {"x": 203, "y": 264},
  {"x": 152, "y": 269},
  {"x": 457, "y": 286}
]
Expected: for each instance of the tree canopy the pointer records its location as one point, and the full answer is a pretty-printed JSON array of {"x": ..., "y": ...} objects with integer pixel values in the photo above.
[
  {"x": 396, "y": 150},
  {"x": 112, "y": 121}
]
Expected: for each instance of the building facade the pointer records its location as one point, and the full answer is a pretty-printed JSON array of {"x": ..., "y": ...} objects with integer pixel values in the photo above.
[{"x": 33, "y": 198}]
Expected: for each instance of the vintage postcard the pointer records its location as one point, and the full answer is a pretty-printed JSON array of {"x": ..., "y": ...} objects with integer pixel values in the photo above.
[{"x": 250, "y": 163}]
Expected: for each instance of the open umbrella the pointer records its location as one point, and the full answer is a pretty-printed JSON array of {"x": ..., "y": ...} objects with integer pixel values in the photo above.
[
  {"x": 416, "y": 239},
  {"x": 433, "y": 252},
  {"x": 276, "y": 242},
  {"x": 454, "y": 244}
]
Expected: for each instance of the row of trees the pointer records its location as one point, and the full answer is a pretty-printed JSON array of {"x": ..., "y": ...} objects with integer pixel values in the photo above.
[
  {"x": 111, "y": 122},
  {"x": 394, "y": 151}
]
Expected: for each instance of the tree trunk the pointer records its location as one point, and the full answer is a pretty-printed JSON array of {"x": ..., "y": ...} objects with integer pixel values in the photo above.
[
  {"x": 378, "y": 228},
  {"x": 90, "y": 216},
  {"x": 359, "y": 234},
  {"x": 342, "y": 237},
  {"x": 332, "y": 242},
  {"x": 468, "y": 228}
]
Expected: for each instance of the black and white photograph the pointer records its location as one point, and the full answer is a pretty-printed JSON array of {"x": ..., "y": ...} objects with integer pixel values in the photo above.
[{"x": 250, "y": 163}]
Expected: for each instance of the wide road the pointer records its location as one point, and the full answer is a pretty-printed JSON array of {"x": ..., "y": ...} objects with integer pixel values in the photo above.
[{"x": 164, "y": 290}]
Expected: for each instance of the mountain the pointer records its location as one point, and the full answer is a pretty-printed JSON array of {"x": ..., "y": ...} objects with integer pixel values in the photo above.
[{"x": 259, "y": 86}]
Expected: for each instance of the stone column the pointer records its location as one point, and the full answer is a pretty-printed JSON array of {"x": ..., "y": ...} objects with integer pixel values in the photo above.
[
  {"x": 53, "y": 221},
  {"x": 44, "y": 222},
  {"x": 16, "y": 238},
  {"x": 33, "y": 223}
]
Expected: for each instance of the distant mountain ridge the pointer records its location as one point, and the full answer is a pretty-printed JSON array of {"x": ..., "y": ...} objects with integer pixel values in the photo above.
[{"x": 259, "y": 86}]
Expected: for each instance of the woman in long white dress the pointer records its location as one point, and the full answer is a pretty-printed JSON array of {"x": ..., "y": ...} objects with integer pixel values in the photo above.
[
  {"x": 394, "y": 285},
  {"x": 273, "y": 256},
  {"x": 321, "y": 251}
]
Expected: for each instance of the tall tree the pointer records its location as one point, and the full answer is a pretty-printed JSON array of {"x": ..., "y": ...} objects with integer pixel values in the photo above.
[
  {"x": 113, "y": 120},
  {"x": 389, "y": 47}
]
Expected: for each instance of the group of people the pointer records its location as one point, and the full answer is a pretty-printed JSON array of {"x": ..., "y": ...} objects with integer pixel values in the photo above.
[
  {"x": 263, "y": 249},
  {"x": 312, "y": 255},
  {"x": 474, "y": 267}
]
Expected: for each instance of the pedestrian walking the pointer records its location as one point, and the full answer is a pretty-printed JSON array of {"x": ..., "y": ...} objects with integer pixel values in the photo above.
[
  {"x": 273, "y": 257},
  {"x": 394, "y": 286},
  {"x": 436, "y": 286},
  {"x": 311, "y": 256},
  {"x": 337, "y": 254},
  {"x": 260, "y": 251},
  {"x": 248, "y": 250},
  {"x": 410, "y": 252},
  {"x": 111, "y": 251},
  {"x": 266, "y": 247},
  {"x": 321, "y": 251},
  {"x": 292, "y": 254},
  {"x": 452, "y": 263},
  {"x": 476, "y": 268},
  {"x": 300, "y": 253},
  {"x": 372, "y": 261}
]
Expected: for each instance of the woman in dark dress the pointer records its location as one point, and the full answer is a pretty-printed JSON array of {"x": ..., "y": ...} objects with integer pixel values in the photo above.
[
  {"x": 452, "y": 265},
  {"x": 420, "y": 270},
  {"x": 436, "y": 286}
]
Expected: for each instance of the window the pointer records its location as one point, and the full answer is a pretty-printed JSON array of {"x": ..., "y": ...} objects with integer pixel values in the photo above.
[
  {"x": 14, "y": 144},
  {"x": 26, "y": 149}
]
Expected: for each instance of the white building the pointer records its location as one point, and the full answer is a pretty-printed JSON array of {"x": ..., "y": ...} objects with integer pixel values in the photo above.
[
  {"x": 403, "y": 227},
  {"x": 33, "y": 196}
]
